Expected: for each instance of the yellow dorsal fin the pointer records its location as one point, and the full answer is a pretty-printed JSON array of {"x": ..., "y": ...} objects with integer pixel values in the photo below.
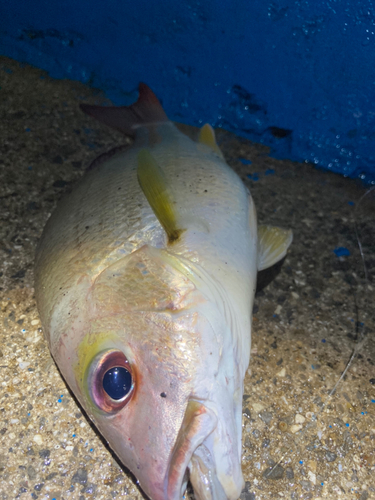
[
  {"x": 155, "y": 187},
  {"x": 207, "y": 137},
  {"x": 273, "y": 243}
]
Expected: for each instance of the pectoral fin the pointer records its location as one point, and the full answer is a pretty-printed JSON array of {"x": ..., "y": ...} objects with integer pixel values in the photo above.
[
  {"x": 273, "y": 243},
  {"x": 207, "y": 137},
  {"x": 155, "y": 187}
]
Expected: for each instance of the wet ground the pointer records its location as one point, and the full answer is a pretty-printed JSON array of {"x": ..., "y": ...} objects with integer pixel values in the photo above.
[{"x": 311, "y": 312}]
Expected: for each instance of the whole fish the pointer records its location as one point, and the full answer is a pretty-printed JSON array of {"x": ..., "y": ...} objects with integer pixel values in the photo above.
[{"x": 145, "y": 279}]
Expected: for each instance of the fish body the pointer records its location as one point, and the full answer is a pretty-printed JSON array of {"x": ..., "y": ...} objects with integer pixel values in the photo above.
[{"x": 145, "y": 279}]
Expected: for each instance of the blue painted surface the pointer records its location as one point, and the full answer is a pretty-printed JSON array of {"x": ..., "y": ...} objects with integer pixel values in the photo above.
[{"x": 296, "y": 75}]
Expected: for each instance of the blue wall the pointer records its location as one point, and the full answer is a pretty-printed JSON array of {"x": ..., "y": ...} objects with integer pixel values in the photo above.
[{"x": 296, "y": 75}]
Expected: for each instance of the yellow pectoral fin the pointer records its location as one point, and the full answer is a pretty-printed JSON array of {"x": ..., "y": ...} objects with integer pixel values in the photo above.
[
  {"x": 154, "y": 184},
  {"x": 207, "y": 137},
  {"x": 273, "y": 243}
]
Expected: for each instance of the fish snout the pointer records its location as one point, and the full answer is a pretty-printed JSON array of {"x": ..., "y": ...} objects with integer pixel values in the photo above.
[{"x": 194, "y": 458}]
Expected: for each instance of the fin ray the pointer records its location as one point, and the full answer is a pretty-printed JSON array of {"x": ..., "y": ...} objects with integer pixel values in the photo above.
[
  {"x": 273, "y": 243},
  {"x": 155, "y": 187},
  {"x": 147, "y": 109},
  {"x": 207, "y": 137}
]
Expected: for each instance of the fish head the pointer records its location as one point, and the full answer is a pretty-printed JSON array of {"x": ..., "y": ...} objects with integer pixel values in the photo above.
[{"x": 156, "y": 371}]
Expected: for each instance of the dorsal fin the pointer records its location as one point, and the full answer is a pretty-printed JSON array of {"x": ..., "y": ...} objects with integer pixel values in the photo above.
[
  {"x": 147, "y": 109},
  {"x": 207, "y": 137},
  {"x": 155, "y": 187},
  {"x": 273, "y": 243}
]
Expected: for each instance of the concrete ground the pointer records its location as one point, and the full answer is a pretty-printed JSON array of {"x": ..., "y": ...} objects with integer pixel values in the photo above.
[{"x": 300, "y": 441}]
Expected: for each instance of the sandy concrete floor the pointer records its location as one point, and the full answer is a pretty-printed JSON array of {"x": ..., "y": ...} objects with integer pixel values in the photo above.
[{"x": 309, "y": 315}]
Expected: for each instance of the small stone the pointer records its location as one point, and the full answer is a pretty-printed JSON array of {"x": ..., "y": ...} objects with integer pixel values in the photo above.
[
  {"x": 266, "y": 443},
  {"x": 312, "y": 477},
  {"x": 299, "y": 419},
  {"x": 266, "y": 416},
  {"x": 274, "y": 473},
  {"x": 38, "y": 487},
  {"x": 306, "y": 485},
  {"x": 44, "y": 453},
  {"x": 330, "y": 456},
  {"x": 38, "y": 439},
  {"x": 295, "y": 428},
  {"x": 289, "y": 473},
  {"x": 281, "y": 373},
  {"x": 257, "y": 407},
  {"x": 364, "y": 495},
  {"x": 31, "y": 472},
  {"x": 80, "y": 476}
]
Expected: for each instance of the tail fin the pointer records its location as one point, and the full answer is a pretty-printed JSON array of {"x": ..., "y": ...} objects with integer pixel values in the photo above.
[{"x": 147, "y": 109}]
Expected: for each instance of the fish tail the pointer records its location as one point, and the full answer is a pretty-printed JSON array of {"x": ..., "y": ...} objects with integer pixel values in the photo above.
[{"x": 147, "y": 109}]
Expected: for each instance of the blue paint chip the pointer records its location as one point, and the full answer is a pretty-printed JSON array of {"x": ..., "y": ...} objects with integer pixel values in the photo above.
[
  {"x": 59, "y": 400},
  {"x": 301, "y": 462},
  {"x": 330, "y": 426},
  {"x": 269, "y": 171},
  {"x": 313, "y": 367},
  {"x": 341, "y": 252},
  {"x": 373, "y": 401},
  {"x": 91, "y": 449},
  {"x": 73, "y": 435},
  {"x": 351, "y": 203},
  {"x": 322, "y": 484},
  {"x": 29, "y": 167},
  {"x": 324, "y": 341},
  {"x": 244, "y": 161},
  {"x": 347, "y": 425},
  {"x": 254, "y": 177},
  {"x": 27, "y": 129}
]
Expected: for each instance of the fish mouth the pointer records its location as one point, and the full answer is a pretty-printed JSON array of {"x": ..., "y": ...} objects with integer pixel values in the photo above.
[{"x": 192, "y": 460}]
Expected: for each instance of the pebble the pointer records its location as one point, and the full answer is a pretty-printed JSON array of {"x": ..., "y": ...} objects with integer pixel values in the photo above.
[
  {"x": 274, "y": 473},
  {"x": 330, "y": 456},
  {"x": 295, "y": 428},
  {"x": 80, "y": 476},
  {"x": 266, "y": 416},
  {"x": 281, "y": 373},
  {"x": 312, "y": 477},
  {"x": 257, "y": 407},
  {"x": 38, "y": 439},
  {"x": 299, "y": 419}
]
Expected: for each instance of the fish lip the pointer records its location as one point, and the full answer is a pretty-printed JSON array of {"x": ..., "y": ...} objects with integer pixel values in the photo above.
[{"x": 198, "y": 423}]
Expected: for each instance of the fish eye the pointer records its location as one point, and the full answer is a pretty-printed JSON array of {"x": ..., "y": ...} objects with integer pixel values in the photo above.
[{"x": 110, "y": 381}]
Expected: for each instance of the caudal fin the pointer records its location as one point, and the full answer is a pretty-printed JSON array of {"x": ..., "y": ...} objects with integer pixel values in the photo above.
[{"x": 147, "y": 109}]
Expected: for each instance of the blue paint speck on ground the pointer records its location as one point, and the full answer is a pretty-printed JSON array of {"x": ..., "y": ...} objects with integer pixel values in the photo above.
[
  {"x": 351, "y": 203},
  {"x": 73, "y": 435},
  {"x": 330, "y": 426},
  {"x": 347, "y": 425},
  {"x": 27, "y": 129},
  {"x": 244, "y": 161},
  {"x": 269, "y": 171},
  {"x": 313, "y": 367},
  {"x": 301, "y": 462},
  {"x": 322, "y": 484},
  {"x": 91, "y": 449},
  {"x": 59, "y": 400},
  {"x": 341, "y": 252},
  {"x": 373, "y": 401},
  {"x": 29, "y": 167},
  {"x": 254, "y": 177},
  {"x": 324, "y": 341}
]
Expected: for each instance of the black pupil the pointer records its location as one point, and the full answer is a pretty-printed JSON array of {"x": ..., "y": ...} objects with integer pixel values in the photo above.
[{"x": 117, "y": 382}]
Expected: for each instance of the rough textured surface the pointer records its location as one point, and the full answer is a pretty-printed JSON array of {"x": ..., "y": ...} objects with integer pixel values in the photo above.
[
  {"x": 295, "y": 75},
  {"x": 297, "y": 443}
]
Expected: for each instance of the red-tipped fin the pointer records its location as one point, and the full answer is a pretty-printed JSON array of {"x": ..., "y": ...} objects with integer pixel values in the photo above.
[{"x": 147, "y": 109}]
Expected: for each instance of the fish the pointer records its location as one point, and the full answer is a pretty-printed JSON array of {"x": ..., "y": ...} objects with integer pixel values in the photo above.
[{"x": 145, "y": 276}]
